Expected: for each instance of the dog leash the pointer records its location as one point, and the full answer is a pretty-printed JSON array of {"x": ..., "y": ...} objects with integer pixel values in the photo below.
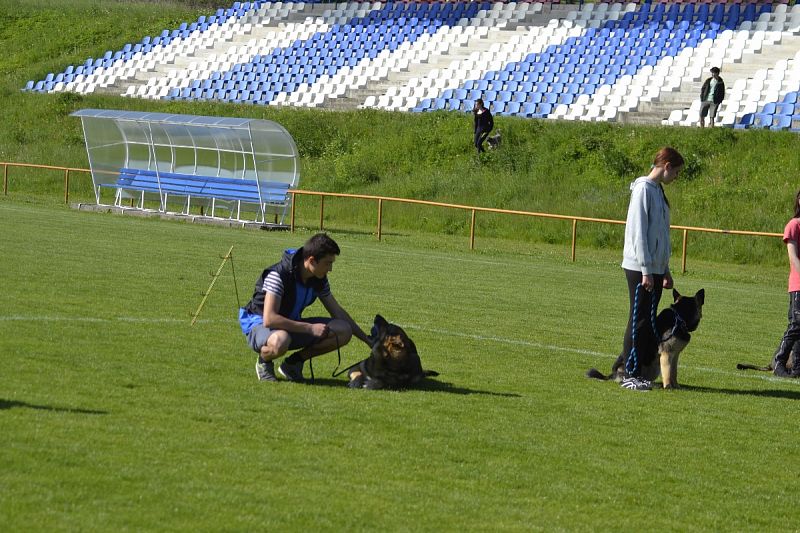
[
  {"x": 634, "y": 356},
  {"x": 338, "y": 361}
]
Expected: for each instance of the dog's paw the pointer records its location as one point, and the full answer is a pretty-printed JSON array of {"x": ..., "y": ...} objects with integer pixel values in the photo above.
[
  {"x": 357, "y": 382},
  {"x": 373, "y": 384}
]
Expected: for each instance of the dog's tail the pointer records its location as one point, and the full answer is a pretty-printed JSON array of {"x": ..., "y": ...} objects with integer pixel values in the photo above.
[
  {"x": 596, "y": 374},
  {"x": 748, "y": 366}
]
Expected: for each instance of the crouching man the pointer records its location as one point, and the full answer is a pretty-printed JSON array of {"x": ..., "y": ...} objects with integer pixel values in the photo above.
[{"x": 273, "y": 322}]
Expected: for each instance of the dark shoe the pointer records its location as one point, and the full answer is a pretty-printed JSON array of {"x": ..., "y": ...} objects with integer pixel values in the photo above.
[
  {"x": 780, "y": 370},
  {"x": 292, "y": 372},
  {"x": 265, "y": 370}
]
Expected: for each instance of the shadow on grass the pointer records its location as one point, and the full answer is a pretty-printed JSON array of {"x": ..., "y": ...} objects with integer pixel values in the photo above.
[
  {"x": 784, "y": 394},
  {"x": 429, "y": 385},
  {"x": 10, "y": 404}
]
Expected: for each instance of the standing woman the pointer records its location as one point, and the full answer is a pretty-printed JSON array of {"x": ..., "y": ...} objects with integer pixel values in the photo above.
[
  {"x": 484, "y": 123},
  {"x": 645, "y": 258},
  {"x": 791, "y": 236}
]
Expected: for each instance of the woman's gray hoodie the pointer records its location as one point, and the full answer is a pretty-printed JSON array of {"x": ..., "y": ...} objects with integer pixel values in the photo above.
[{"x": 647, "y": 245}]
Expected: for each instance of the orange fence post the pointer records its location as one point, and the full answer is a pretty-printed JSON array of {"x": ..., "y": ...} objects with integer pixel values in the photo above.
[
  {"x": 683, "y": 251},
  {"x": 291, "y": 222},
  {"x": 5, "y": 179},
  {"x": 321, "y": 210},
  {"x": 66, "y": 186},
  {"x": 472, "y": 231},
  {"x": 380, "y": 216},
  {"x": 574, "y": 234}
]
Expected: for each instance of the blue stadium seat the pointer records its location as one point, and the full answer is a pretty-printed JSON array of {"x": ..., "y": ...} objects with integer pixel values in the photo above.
[
  {"x": 768, "y": 109},
  {"x": 790, "y": 98},
  {"x": 745, "y": 122},
  {"x": 528, "y": 110},
  {"x": 535, "y": 98},
  {"x": 781, "y": 122},
  {"x": 543, "y": 109},
  {"x": 566, "y": 98},
  {"x": 795, "y": 123},
  {"x": 784, "y": 109},
  {"x": 762, "y": 120}
]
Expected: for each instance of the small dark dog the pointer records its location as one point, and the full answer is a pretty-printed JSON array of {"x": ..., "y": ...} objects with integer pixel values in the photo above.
[
  {"x": 393, "y": 363},
  {"x": 494, "y": 141},
  {"x": 659, "y": 354}
]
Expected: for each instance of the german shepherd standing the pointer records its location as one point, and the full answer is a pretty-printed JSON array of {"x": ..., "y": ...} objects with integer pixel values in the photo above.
[
  {"x": 394, "y": 362},
  {"x": 659, "y": 350}
]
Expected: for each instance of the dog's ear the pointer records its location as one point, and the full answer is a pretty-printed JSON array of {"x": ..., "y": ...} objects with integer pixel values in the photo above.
[
  {"x": 675, "y": 295},
  {"x": 700, "y": 296},
  {"x": 379, "y": 327}
]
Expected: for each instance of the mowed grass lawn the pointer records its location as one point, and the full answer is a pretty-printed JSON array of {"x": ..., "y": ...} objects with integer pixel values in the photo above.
[{"x": 116, "y": 414}]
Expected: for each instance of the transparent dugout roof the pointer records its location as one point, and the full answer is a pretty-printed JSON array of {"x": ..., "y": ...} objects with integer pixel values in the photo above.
[{"x": 227, "y": 147}]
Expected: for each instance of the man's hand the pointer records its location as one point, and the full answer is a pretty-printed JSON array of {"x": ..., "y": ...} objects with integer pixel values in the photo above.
[
  {"x": 668, "y": 281},
  {"x": 319, "y": 330}
]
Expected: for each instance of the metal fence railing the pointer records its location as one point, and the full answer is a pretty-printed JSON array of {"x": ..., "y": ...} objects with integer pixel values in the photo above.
[{"x": 473, "y": 210}]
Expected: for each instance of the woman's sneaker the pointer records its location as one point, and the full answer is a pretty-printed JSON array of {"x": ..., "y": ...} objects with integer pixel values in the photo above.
[
  {"x": 265, "y": 370},
  {"x": 634, "y": 383}
]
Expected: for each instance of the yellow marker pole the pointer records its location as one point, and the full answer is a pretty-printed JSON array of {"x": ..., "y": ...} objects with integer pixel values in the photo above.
[{"x": 213, "y": 281}]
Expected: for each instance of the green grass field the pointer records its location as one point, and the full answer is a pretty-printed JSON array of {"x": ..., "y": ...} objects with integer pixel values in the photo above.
[{"x": 118, "y": 415}]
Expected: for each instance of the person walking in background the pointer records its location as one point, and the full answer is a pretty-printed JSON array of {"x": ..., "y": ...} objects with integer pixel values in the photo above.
[
  {"x": 711, "y": 95},
  {"x": 484, "y": 123},
  {"x": 791, "y": 236},
  {"x": 645, "y": 257},
  {"x": 273, "y": 323}
]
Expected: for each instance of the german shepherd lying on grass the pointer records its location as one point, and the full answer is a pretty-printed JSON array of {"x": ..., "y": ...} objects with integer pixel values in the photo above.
[
  {"x": 394, "y": 362},
  {"x": 658, "y": 351}
]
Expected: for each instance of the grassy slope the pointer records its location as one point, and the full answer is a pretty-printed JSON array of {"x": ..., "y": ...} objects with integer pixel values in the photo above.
[{"x": 119, "y": 415}]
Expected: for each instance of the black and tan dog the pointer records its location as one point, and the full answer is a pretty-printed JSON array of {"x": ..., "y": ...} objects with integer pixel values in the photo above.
[
  {"x": 394, "y": 362},
  {"x": 659, "y": 350}
]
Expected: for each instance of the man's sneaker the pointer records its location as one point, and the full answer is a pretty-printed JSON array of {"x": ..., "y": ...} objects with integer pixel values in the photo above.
[
  {"x": 292, "y": 372},
  {"x": 635, "y": 383},
  {"x": 265, "y": 371}
]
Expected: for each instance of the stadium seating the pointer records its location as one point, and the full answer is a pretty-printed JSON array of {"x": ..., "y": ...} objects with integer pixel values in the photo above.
[{"x": 593, "y": 61}]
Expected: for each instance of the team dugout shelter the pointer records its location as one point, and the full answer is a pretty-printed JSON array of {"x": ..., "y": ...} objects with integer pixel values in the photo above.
[{"x": 221, "y": 167}]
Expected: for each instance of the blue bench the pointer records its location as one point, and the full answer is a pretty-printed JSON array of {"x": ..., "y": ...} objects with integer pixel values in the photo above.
[{"x": 274, "y": 196}]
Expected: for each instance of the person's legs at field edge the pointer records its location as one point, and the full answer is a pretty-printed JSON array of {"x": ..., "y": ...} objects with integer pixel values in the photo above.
[
  {"x": 480, "y": 137},
  {"x": 643, "y": 308},
  {"x": 704, "y": 107},
  {"x": 791, "y": 336}
]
